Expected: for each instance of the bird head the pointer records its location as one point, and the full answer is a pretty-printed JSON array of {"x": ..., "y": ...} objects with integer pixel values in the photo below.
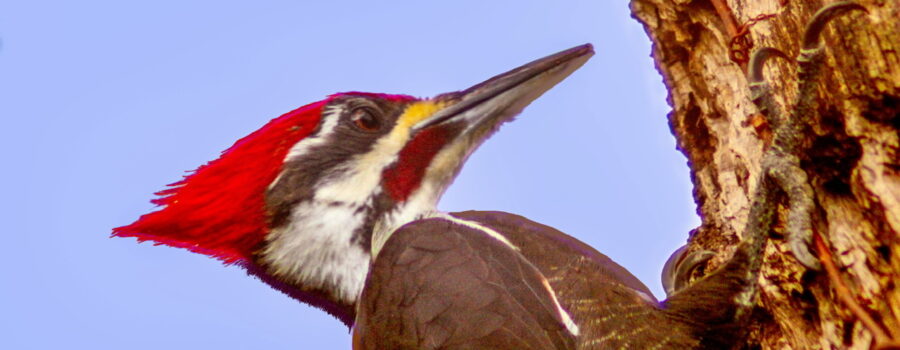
[{"x": 307, "y": 201}]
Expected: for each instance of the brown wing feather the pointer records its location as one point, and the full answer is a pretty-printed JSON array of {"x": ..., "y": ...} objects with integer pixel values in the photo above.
[
  {"x": 612, "y": 308},
  {"x": 438, "y": 284}
]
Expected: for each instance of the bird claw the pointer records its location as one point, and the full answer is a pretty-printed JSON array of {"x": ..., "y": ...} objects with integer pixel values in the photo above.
[
  {"x": 822, "y": 17},
  {"x": 758, "y": 60},
  {"x": 799, "y": 244},
  {"x": 760, "y": 90},
  {"x": 781, "y": 161},
  {"x": 680, "y": 266},
  {"x": 799, "y": 191}
]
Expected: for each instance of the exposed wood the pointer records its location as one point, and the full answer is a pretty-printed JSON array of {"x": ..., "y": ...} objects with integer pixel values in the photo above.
[{"x": 853, "y": 155}]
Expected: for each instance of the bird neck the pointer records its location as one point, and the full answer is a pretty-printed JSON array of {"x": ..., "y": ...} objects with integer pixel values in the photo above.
[
  {"x": 323, "y": 247},
  {"x": 421, "y": 204}
]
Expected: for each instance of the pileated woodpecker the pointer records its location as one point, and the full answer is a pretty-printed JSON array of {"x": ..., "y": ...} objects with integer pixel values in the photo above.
[
  {"x": 334, "y": 203},
  {"x": 309, "y": 199}
]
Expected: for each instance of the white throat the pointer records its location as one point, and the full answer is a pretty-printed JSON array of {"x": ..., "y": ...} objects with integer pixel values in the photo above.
[{"x": 316, "y": 249}]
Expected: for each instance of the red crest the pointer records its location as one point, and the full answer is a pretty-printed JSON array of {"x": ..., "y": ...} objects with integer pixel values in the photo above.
[{"x": 219, "y": 209}]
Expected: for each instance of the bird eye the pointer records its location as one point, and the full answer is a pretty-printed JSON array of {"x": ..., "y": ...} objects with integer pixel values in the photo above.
[{"x": 365, "y": 120}]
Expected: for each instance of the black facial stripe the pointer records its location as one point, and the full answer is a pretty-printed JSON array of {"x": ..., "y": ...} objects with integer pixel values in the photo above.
[{"x": 302, "y": 173}]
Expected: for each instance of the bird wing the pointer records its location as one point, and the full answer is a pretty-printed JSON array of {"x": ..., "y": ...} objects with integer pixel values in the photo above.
[
  {"x": 612, "y": 308},
  {"x": 439, "y": 283}
]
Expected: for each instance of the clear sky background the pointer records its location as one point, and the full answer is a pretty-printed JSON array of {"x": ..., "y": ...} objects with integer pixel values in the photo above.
[{"x": 104, "y": 102}]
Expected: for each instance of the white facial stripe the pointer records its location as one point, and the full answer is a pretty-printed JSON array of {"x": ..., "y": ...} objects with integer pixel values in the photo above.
[
  {"x": 315, "y": 249},
  {"x": 330, "y": 117},
  {"x": 364, "y": 179},
  {"x": 360, "y": 180}
]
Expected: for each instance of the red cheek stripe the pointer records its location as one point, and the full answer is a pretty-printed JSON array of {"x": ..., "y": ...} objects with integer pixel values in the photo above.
[{"x": 405, "y": 176}]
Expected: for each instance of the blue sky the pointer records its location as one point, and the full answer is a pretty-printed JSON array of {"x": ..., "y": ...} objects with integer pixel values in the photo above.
[{"x": 105, "y": 102}]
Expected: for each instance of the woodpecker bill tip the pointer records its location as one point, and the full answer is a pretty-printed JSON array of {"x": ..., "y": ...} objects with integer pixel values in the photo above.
[
  {"x": 439, "y": 133},
  {"x": 517, "y": 87}
]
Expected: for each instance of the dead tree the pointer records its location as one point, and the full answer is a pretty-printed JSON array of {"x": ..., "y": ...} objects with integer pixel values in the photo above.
[{"x": 851, "y": 155}]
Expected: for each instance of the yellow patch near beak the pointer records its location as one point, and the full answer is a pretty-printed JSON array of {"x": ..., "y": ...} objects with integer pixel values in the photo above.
[{"x": 419, "y": 111}]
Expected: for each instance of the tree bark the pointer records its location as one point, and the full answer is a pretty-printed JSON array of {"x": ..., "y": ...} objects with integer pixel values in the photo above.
[{"x": 852, "y": 157}]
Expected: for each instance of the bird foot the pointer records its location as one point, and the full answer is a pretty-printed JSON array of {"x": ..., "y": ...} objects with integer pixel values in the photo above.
[
  {"x": 782, "y": 164},
  {"x": 781, "y": 161}
]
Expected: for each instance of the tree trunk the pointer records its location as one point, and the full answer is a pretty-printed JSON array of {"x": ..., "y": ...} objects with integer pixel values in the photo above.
[{"x": 852, "y": 157}]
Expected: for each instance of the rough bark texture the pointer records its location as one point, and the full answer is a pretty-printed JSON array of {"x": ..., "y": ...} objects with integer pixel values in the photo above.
[{"x": 853, "y": 155}]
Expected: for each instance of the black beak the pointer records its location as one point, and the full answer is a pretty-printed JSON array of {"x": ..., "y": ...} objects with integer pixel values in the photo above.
[{"x": 502, "y": 97}]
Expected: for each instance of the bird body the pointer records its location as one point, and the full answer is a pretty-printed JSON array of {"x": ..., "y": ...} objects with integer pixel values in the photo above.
[
  {"x": 306, "y": 202},
  {"x": 496, "y": 280},
  {"x": 335, "y": 204}
]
